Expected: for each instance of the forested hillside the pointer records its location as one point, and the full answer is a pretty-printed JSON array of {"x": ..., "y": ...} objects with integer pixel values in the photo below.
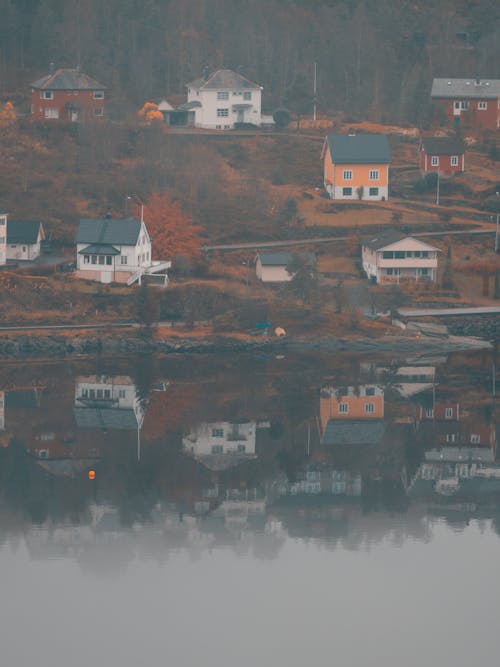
[{"x": 374, "y": 59}]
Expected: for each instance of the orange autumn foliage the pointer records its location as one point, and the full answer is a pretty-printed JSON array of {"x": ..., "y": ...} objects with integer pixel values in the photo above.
[
  {"x": 172, "y": 231},
  {"x": 150, "y": 113},
  {"x": 7, "y": 115}
]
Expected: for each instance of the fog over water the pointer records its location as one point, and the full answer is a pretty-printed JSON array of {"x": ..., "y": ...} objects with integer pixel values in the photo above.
[{"x": 250, "y": 511}]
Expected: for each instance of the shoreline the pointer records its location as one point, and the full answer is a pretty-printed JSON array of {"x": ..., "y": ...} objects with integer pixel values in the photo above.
[{"x": 71, "y": 346}]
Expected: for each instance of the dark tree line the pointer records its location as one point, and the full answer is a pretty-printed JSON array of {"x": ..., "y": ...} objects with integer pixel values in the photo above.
[{"x": 374, "y": 59}]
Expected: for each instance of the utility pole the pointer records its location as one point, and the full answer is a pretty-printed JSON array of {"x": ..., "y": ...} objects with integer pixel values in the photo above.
[
  {"x": 498, "y": 216},
  {"x": 437, "y": 190},
  {"x": 315, "y": 90}
]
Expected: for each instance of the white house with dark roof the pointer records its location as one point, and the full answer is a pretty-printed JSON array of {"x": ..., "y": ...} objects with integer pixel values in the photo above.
[
  {"x": 221, "y": 445},
  {"x": 393, "y": 257},
  {"x": 24, "y": 239},
  {"x": 219, "y": 100},
  {"x": 110, "y": 250}
]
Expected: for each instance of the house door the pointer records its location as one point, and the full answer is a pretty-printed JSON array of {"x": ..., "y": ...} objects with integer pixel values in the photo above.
[
  {"x": 240, "y": 116},
  {"x": 74, "y": 116}
]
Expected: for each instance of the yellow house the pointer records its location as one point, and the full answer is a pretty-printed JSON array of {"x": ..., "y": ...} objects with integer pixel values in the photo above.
[{"x": 356, "y": 166}]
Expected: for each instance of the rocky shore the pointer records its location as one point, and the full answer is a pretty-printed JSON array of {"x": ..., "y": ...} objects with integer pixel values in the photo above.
[{"x": 33, "y": 346}]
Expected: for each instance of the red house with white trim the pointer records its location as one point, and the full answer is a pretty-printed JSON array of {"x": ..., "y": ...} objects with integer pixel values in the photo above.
[
  {"x": 445, "y": 155},
  {"x": 67, "y": 95},
  {"x": 469, "y": 103}
]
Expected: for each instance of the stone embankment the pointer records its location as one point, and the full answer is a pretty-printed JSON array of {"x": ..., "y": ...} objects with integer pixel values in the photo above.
[
  {"x": 483, "y": 327},
  {"x": 71, "y": 346}
]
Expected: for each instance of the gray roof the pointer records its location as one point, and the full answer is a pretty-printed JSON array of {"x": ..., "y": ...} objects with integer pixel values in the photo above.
[
  {"x": 99, "y": 250},
  {"x": 281, "y": 258},
  {"x": 466, "y": 88},
  {"x": 353, "y": 432},
  {"x": 384, "y": 239},
  {"x": 187, "y": 106},
  {"x": 224, "y": 79},
  {"x": 106, "y": 418},
  {"x": 67, "y": 79},
  {"x": 23, "y": 231},
  {"x": 108, "y": 231},
  {"x": 443, "y": 146},
  {"x": 359, "y": 148}
]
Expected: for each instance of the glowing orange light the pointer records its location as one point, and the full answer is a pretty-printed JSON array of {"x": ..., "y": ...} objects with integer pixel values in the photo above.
[{"x": 91, "y": 474}]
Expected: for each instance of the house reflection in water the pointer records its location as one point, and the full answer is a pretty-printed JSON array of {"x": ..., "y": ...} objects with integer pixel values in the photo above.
[
  {"x": 222, "y": 445},
  {"x": 106, "y": 402},
  {"x": 352, "y": 415}
]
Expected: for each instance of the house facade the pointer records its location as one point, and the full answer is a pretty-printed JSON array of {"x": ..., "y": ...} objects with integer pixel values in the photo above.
[
  {"x": 356, "y": 166},
  {"x": 222, "y": 99},
  {"x": 393, "y": 257},
  {"x": 67, "y": 95},
  {"x": 24, "y": 239},
  {"x": 221, "y": 445},
  {"x": 469, "y": 103},
  {"x": 110, "y": 250},
  {"x": 3, "y": 238},
  {"x": 271, "y": 267},
  {"x": 443, "y": 155}
]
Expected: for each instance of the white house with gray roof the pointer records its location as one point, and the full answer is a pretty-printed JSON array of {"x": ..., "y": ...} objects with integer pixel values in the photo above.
[
  {"x": 393, "y": 257},
  {"x": 110, "y": 250},
  {"x": 223, "y": 98}
]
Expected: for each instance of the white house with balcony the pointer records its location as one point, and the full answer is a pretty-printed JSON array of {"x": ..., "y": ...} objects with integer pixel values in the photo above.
[
  {"x": 223, "y": 98},
  {"x": 221, "y": 445},
  {"x": 115, "y": 251},
  {"x": 392, "y": 257}
]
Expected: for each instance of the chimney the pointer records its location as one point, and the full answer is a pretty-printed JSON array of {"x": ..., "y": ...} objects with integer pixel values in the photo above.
[
  {"x": 206, "y": 73},
  {"x": 478, "y": 81},
  {"x": 52, "y": 68}
]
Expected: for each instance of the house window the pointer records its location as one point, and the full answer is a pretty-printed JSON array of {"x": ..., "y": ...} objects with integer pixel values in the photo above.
[
  {"x": 399, "y": 254},
  {"x": 374, "y": 174},
  {"x": 93, "y": 259},
  {"x": 123, "y": 259},
  {"x": 99, "y": 393},
  {"x": 247, "y": 96},
  {"x": 482, "y": 106},
  {"x": 456, "y": 105},
  {"x": 434, "y": 161},
  {"x": 2, "y": 221},
  {"x": 343, "y": 408},
  {"x": 346, "y": 192},
  {"x": 24, "y": 248},
  {"x": 241, "y": 449},
  {"x": 424, "y": 272},
  {"x": 98, "y": 94},
  {"x": 387, "y": 254},
  {"x": 75, "y": 92},
  {"x": 454, "y": 160},
  {"x": 370, "y": 391},
  {"x": 217, "y": 433},
  {"x": 217, "y": 449},
  {"x": 109, "y": 260},
  {"x": 222, "y": 113},
  {"x": 107, "y": 393},
  {"x": 448, "y": 413},
  {"x": 475, "y": 439},
  {"x": 451, "y": 437},
  {"x": 369, "y": 408},
  {"x": 222, "y": 95},
  {"x": 425, "y": 254},
  {"x": 50, "y": 112},
  {"x": 99, "y": 111},
  {"x": 86, "y": 259},
  {"x": 347, "y": 175},
  {"x": 47, "y": 95},
  {"x": 429, "y": 413},
  {"x": 392, "y": 272},
  {"x": 121, "y": 393},
  {"x": 92, "y": 393},
  {"x": 373, "y": 192},
  {"x": 101, "y": 259}
]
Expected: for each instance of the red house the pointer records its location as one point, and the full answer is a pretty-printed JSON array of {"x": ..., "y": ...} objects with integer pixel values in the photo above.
[
  {"x": 443, "y": 154},
  {"x": 67, "y": 95},
  {"x": 469, "y": 103}
]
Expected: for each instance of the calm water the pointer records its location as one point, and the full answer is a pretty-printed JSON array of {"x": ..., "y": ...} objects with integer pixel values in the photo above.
[{"x": 250, "y": 510}]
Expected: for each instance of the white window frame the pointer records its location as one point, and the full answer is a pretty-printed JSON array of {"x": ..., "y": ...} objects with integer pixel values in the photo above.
[
  {"x": 434, "y": 161},
  {"x": 98, "y": 112},
  {"x": 51, "y": 113},
  {"x": 98, "y": 94},
  {"x": 222, "y": 113},
  {"x": 475, "y": 439},
  {"x": 47, "y": 95},
  {"x": 374, "y": 175},
  {"x": 247, "y": 95},
  {"x": 123, "y": 260},
  {"x": 448, "y": 413},
  {"x": 222, "y": 95},
  {"x": 482, "y": 106},
  {"x": 454, "y": 160},
  {"x": 347, "y": 174},
  {"x": 343, "y": 408},
  {"x": 370, "y": 408}
]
